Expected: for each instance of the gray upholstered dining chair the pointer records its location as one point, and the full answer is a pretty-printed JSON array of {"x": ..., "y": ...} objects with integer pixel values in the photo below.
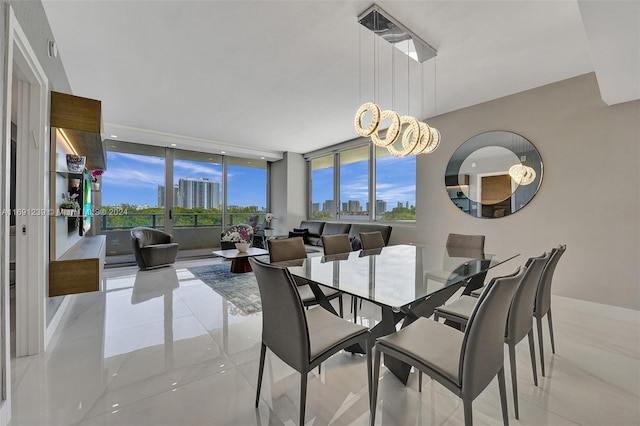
[
  {"x": 464, "y": 241},
  {"x": 465, "y": 245},
  {"x": 463, "y": 362},
  {"x": 301, "y": 338},
  {"x": 336, "y": 244},
  {"x": 542, "y": 305},
  {"x": 286, "y": 249},
  {"x": 519, "y": 321},
  {"x": 371, "y": 240}
]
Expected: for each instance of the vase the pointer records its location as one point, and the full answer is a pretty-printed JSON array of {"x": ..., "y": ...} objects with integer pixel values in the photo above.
[
  {"x": 95, "y": 186},
  {"x": 75, "y": 163},
  {"x": 242, "y": 247}
]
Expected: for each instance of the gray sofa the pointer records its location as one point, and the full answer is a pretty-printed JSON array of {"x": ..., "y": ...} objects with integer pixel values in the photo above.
[{"x": 316, "y": 229}]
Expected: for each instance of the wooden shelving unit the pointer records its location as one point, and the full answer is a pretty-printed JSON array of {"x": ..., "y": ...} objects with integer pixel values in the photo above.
[
  {"x": 79, "y": 270},
  {"x": 76, "y": 261}
]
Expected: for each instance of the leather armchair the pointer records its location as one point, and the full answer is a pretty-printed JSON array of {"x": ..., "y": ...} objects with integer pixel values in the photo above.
[{"x": 153, "y": 248}]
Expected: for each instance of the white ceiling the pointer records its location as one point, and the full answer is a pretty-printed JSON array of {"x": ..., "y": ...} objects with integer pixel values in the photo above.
[{"x": 260, "y": 78}]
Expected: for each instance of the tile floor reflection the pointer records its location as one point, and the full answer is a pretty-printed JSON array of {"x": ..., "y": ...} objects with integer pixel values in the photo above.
[{"x": 162, "y": 348}]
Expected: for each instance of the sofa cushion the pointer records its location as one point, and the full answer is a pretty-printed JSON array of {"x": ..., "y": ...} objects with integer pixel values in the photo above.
[
  {"x": 332, "y": 228},
  {"x": 357, "y": 228},
  {"x": 315, "y": 227}
]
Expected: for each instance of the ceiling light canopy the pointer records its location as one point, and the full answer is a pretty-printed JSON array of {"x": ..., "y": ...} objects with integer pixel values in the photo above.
[{"x": 387, "y": 27}]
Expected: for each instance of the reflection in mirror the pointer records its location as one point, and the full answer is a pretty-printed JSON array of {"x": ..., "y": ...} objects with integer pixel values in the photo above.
[{"x": 493, "y": 174}]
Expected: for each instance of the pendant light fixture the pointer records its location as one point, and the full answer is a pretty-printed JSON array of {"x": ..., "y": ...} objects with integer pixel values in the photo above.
[{"x": 406, "y": 135}]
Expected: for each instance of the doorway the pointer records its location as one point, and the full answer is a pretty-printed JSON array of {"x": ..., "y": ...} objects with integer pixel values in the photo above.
[{"x": 26, "y": 105}]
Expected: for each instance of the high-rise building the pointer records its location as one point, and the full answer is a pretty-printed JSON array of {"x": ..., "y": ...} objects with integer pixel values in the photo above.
[
  {"x": 198, "y": 192},
  {"x": 315, "y": 207},
  {"x": 381, "y": 206},
  {"x": 353, "y": 206},
  {"x": 193, "y": 192},
  {"x": 329, "y": 206}
]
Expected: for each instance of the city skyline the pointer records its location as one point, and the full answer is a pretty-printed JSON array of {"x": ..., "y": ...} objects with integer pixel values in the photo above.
[{"x": 134, "y": 179}]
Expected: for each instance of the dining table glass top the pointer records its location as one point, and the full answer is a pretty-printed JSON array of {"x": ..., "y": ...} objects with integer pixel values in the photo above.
[{"x": 398, "y": 275}]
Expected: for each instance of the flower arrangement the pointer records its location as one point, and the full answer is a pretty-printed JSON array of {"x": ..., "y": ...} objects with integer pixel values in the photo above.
[
  {"x": 69, "y": 202},
  {"x": 95, "y": 174},
  {"x": 268, "y": 218},
  {"x": 238, "y": 234}
]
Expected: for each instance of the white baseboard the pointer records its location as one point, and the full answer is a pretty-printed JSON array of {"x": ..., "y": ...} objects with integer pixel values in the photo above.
[
  {"x": 616, "y": 313},
  {"x": 55, "y": 321}
]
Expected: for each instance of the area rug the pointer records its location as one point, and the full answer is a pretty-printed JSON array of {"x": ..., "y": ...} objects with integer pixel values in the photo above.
[{"x": 239, "y": 289}]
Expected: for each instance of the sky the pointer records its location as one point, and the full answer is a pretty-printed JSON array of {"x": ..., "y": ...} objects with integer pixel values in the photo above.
[
  {"x": 134, "y": 179},
  {"x": 395, "y": 182}
]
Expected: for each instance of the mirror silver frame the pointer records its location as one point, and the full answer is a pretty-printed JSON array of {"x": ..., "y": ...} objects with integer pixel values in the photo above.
[{"x": 493, "y": 174}]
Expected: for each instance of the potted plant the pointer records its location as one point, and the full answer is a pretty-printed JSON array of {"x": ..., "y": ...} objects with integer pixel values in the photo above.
[
  {"x": 69, "y": 205},
  {"x": 95, "y": 185},
  {"x": 75, "y": 163},
  {"x": 240, "y": 235},
  {"x": 268, "y": 218}
]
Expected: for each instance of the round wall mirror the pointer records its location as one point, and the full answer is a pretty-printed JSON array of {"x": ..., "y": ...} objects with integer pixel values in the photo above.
[{"x": 493, "y": 174}]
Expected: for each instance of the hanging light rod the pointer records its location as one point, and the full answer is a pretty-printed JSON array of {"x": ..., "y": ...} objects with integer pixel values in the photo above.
[{"x": 381, "y": 23}]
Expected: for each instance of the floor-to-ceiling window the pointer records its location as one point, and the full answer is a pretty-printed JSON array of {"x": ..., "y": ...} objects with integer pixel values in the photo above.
[
  {"x": 246, "y": 190},
  {"x": 130, "y": 193},
  {"x": 192, "y": 195},
  {"x": 322, "y": 197},
  {"x": 395, "y": 186},
  {"x": 197, "y": 198},
  {"x": 382, "y": 188},
  {"x": 354, "y": 184}
]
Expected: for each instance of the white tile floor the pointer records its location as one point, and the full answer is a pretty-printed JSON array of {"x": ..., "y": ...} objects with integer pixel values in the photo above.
[{"x": 169, "y": 351}]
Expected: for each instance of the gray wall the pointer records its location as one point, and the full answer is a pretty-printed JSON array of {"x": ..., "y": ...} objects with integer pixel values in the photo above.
[{"x": 589, "y": 198}]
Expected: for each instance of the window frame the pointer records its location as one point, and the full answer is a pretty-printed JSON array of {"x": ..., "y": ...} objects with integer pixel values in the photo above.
[{"x": 336, "y": 150}]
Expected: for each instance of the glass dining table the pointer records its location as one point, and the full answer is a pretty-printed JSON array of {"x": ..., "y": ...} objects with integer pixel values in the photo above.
[{"x": 406, "y": 281}]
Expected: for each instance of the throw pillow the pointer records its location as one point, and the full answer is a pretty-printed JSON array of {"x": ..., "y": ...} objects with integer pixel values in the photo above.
[
  {"x": 356, "y": 244},
  {"x": 304, "y": 233}
]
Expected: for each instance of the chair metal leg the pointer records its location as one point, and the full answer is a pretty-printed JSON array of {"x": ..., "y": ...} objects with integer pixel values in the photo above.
[
  {"x": 553, "y": 343},
  {"x": 340, "y": 306},
  {"x": 374, "y": 391},
  {"x": 303, "y": 396},
  {"x": 503, "y": 397},
  {"x": 540, "y": 343},
  {"x": 514, "y": 377},
  {"x": 369, "y": 366},
  {"x": 263, "y": 350},
  {"x": 468, "y": 411},
  {"x": 355, "y": 310},
  {"x": 419, "y": 381},
  {"x": 532, "y": 353}
]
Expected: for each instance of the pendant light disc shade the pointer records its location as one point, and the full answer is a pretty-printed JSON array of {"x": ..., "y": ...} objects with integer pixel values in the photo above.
[
  {"x": 425, "y": 138},
  {"x": 435, "y": 141},
  {"x": 375, "y": 119},
  {"x": 392, "y": 132}
]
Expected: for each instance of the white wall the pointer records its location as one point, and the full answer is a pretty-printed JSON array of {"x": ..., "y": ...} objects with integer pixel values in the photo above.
[
  {"x": 288, "y": 189},
  {"x": 590, "y": 193}
]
